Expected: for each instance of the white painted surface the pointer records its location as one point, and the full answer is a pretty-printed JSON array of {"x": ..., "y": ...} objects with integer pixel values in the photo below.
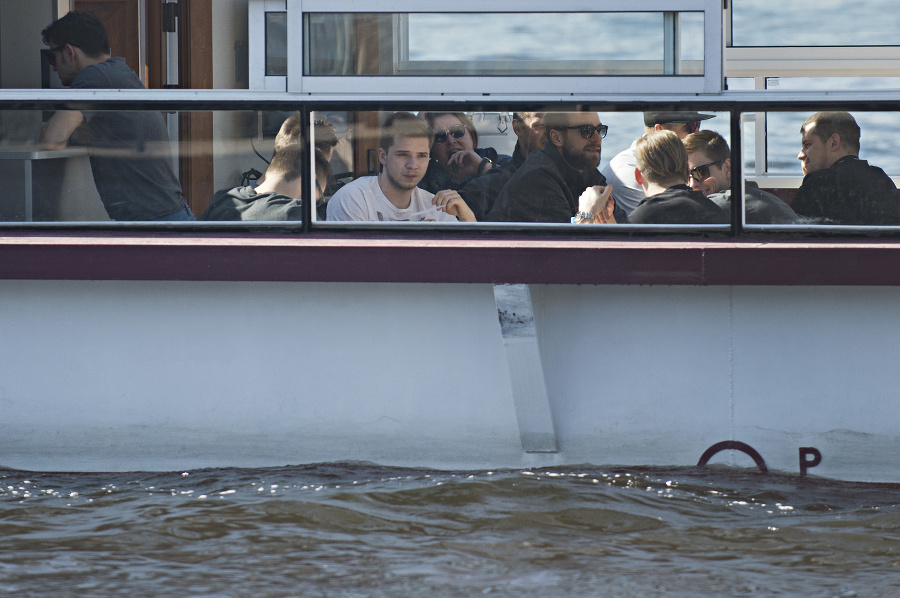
[{"x": 107, "y": 375}]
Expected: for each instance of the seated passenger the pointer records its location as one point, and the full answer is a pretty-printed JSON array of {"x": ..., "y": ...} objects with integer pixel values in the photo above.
[
  {"x": 709, "y": 159},
  {"x": 456, "y": 157},
  {"x": 393, "y": 195},
  {"x": 662, "y": 171},
  {"x": 276, "y": 197},
  {"x": 481, "y": 192},
  {"x": 620, "y": 171},
  {"x": 546, "y": 187},
  {"x": 838, "y": 187}
]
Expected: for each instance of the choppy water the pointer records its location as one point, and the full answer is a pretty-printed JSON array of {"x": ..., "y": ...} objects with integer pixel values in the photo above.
[{"x": 362, "y": 530}]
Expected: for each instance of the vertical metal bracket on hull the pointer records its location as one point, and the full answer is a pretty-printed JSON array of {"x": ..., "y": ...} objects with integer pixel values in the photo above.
[{"x": 526, "y": 373}]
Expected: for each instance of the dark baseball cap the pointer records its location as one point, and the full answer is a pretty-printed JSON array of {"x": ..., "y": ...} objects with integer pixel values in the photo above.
[{"x": 664, "y": 118}]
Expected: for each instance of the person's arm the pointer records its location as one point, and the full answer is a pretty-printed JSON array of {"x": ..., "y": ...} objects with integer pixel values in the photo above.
[
  {"x": 596, "y": 206},
  {"x": 449, "y": 201},
  {"x": 57, "y": 130},
  {"x": 467, "y": 163}
]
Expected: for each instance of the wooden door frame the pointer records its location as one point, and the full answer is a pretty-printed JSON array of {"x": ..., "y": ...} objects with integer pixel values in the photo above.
[{"x": 195, "y": 61}]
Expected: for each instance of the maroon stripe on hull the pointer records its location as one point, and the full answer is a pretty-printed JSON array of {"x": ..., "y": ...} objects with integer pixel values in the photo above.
[{"x": 369, "y": 258}]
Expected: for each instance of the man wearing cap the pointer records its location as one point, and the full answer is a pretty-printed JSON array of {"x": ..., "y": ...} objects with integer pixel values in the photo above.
[{"x": 620, "y": 171}]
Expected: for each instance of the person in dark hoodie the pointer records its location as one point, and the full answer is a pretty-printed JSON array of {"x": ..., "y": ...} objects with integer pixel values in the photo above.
[
  {"x": 662, "y": 172},
  {"x": 481, "y": 192},
  {"x": 456, "y": 159},
  {"x": 277, "y": 196}
]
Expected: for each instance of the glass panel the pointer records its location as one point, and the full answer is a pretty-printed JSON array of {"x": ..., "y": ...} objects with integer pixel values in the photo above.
[
  {"x": 815, "y": 23},
  {"x": 480, "y": 159},
  {"x": 276, "y": 44},
  {"x": 505, "y": 44},
  {"x": 121, "y": 165},
  {"x": 843, "y": 182}
]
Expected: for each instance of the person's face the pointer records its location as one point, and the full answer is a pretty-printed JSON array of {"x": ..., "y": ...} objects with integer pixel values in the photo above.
[
  {"x": 450, "y": 145},
  {"x": 813, "y": 154},
  {"x": 63, "y": 63},
  {"x": 405, "y": 162},
  {"x": 718, "y": 179},
  {"x": 531, "y": 132},
  {"x": 579, "y": 152}
]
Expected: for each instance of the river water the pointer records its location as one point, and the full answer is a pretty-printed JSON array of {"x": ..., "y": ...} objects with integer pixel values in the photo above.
[{"x": 364, "y": 530}]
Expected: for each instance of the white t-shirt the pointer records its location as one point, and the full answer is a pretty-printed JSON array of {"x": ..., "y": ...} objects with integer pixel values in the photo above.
[
  {"x": 620, "y": 174},
  {"x": 363, "y": 199}
]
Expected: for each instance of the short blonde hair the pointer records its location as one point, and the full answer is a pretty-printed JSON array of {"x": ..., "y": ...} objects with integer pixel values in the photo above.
[{"x": 661, "y": 157}]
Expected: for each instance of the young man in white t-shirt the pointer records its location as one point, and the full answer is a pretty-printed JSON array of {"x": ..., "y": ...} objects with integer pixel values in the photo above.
[{"x": 393, "y": 195}]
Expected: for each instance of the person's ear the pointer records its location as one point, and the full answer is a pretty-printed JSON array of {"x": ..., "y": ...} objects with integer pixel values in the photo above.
[
  {"x": 556, "y": 137},
  {"x": 638, "y": 177},
  {"x": 726, "y": 167},
  {"x": 834, "y": 143},
  {"x": 382, "y": 155}
]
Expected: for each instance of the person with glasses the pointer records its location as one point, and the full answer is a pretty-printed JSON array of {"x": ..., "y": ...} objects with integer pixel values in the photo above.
[
  {"x": 456, "y": 158},
  {"x": 662, "y": 172},
  {"x": 132, "y": 166},
  {"x": 481, "y": 192},
  {"x": 709, "y": 160},
  {"x": 546, "y": 187},
  {"x": 620, "y": 170},
  {"x": 838, "y": 187},
  {"x": 393, "y": 194}
]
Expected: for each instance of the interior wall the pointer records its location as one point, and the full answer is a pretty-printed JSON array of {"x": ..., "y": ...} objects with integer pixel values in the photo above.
[
  {"x": 234, "y": 154},
  {"x": 20, "y": 62},
  {"x": 20, "y": 41}
]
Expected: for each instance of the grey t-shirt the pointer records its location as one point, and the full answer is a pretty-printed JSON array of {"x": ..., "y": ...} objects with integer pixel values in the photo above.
[{"x": 130, "y": 153}]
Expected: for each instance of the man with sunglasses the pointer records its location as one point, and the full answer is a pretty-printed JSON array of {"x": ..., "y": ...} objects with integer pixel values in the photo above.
[
  {"x": 620, "y": 170},
  {"x": 662, "y": 172},
  {"x": 709, "y": 160},
  {"x": 132, "y": 166},
  {"x": 456, "y": 157},
  {"x": 547, "y": 186}
]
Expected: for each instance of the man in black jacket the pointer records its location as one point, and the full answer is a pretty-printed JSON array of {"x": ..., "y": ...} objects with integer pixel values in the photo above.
[
  {"x": 546, "y": 187},
  {"x": 481, "y": 192},
  {"x": 838, "y": 187}
]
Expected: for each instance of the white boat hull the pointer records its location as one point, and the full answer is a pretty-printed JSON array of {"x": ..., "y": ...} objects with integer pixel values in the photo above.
[{"x": 150, "y": 375}]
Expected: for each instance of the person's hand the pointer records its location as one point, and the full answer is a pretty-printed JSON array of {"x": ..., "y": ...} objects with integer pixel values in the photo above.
[
  {"x": 707, "y": 187},
  {"x": 466, "y": 163},
  {"x": 598, "y": 200},
  {"x": 450, "y": 201}
]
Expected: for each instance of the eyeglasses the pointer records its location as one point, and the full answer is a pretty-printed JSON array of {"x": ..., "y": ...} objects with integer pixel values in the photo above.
[
  {"x": 701, "y": 173},
  {"x": 457, "y": 131},
  {"x": 51, "y": 54},
  {"x": 587, "y": 131}
]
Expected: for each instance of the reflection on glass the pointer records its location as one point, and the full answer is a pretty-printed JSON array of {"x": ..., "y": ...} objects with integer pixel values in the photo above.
[
  {"x": 276, "y": 44},
  {"x": 120, "y": 165},
  {"x": 649, "y": 43},
  {"x": 815, "y": 23}
]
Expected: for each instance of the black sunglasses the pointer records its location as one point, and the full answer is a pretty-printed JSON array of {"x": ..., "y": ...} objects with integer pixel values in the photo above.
[
  {"x": 587, "y": 131},
  {"x": 51, "y": 54},
  {"x": 701, "y": 173},
  {"x": 457, "y": 131}
]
